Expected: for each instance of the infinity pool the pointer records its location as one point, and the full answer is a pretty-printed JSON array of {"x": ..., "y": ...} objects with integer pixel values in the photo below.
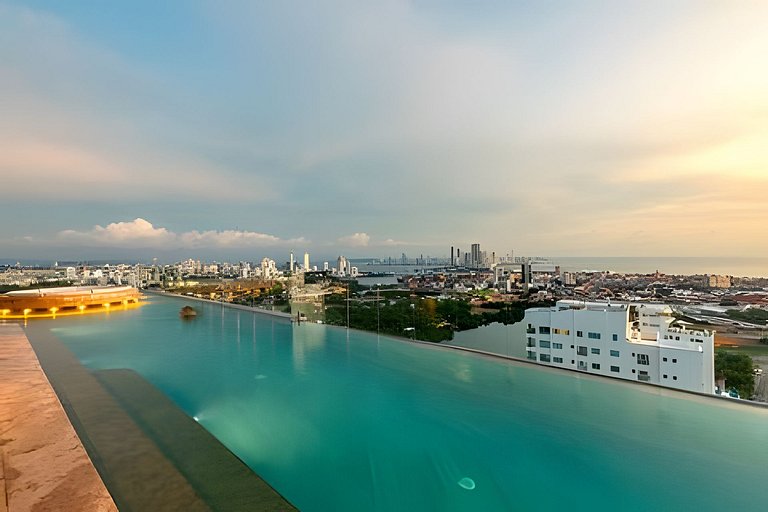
[{"x": 344, "y": 420}]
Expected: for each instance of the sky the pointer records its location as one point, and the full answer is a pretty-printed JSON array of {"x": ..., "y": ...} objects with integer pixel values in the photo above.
[{"x": 240, "y": 129}]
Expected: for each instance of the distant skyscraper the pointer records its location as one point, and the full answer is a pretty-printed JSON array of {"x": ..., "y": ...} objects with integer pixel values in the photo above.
[
  {"x": 452, "y": 260},
  {"x": 306, "y": 262},
  {"x": 325, "y": 266},
  {"x": 476, "y": 257},
  {"x": 290, "y": 267},
  {"x": 342, "y": 266}
]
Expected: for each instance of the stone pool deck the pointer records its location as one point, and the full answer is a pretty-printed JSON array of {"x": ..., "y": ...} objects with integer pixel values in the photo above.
[{"x": 43, "y": 464}]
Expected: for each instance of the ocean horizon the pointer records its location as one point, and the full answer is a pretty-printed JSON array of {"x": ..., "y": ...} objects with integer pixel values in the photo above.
[{"x": 736, "y": 266}]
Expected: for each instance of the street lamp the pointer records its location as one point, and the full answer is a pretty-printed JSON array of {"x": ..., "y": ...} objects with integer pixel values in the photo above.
[{"x": 413, "y": 319}]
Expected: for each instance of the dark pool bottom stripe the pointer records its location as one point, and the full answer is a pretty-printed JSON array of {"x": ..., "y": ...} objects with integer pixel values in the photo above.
[
  {"x": 123, "y": 433},
  {"x": 223, "y": 480}
]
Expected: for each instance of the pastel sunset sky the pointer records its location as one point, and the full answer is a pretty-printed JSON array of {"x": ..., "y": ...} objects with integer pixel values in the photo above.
[{"x": 239, "y": 129}]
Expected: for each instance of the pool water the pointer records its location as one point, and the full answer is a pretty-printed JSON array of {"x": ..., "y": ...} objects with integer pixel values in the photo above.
[{"x": 345, "y": 420}]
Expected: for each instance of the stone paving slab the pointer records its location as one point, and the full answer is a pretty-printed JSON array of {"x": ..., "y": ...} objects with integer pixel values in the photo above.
[{"x": 44, "y": 464}]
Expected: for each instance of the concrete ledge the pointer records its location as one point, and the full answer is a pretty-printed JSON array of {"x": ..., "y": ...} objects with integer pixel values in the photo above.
[
  {"x": 278, "y": 314},
  {"x": 44, "y": 465}
]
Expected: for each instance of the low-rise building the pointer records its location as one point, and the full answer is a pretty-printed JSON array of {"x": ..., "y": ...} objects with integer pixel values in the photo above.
[{"x": 637, "y": 342}]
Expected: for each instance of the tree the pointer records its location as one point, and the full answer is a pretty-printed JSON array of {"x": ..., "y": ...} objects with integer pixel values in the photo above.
[{"x": 736, "y": 369}]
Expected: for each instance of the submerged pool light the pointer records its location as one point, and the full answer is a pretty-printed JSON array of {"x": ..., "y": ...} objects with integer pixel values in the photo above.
[{"x": 467, "y": 483}]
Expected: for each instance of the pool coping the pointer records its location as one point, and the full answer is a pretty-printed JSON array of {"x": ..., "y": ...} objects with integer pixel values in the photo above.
[{"x": 278, "y": 314}]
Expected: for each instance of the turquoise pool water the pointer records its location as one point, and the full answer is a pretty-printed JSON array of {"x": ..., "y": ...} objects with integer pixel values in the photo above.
[{"x": 339, "y": 420}]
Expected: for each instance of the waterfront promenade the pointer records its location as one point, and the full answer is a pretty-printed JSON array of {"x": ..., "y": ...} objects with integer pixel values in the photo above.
[{"x": 43, "y": 465}]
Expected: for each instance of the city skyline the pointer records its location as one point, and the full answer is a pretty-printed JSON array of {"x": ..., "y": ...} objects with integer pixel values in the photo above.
[{"x": 574, "y": 128}]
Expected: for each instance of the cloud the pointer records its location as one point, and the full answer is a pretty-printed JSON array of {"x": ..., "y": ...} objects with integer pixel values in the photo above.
[
  {"x": 389, "y": 242},
  {"x": 355, "y": 240},
  {"x": 234, "y": 239},
  {"x": 83, "y": 120},
  {"x": 553, "y": 131},
  {"x": 142, "y": 233}
]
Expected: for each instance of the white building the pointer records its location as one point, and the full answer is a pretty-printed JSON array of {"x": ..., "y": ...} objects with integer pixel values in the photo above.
[
  {"x": 306, "y": 262},
  {"x": 268, "y": 269},
  {"x": 628, "y": 341},
  {"x": 342, "y": 267}
]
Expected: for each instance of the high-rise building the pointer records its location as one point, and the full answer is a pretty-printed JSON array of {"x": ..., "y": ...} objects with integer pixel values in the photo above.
[
  {"x": 306, "y": 262},
  {"x": 475, "y": 258},
  {"x": 291, "y": 265},
  {"x": 342, "y": 266}
]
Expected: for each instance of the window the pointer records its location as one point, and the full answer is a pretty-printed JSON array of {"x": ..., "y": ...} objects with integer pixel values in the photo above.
[
  {"x": 595, "y": 351},
  {"x": 557, "y": 345},
  {"x": 544, "y": 358},
  {"x": 564, "y": 332},
  {"x": 595, "y": 366},
  {"x": 614, "y": 353},
  {"x": 665, "y": 375},
  {"x": 643, "y": 359},
  {"x": 593, "y": 335},
  {"x": 615, "y": 369},
  {"x": 543, "y": 330},
  {"x": 615, "y": 337},
  {"x": 643, "y": 376},
  {"x": 664, "y": 359},
  {"x": 674, "y": 377},
  {"x": 674, "y": 360},
  {"x": 580, "y": 334},
  {"x": 581, "y": 351},
  {"x": 557, "y": 359},
  {"x": 543, "y": 344},
  {"x": 677, "y": 338}
]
